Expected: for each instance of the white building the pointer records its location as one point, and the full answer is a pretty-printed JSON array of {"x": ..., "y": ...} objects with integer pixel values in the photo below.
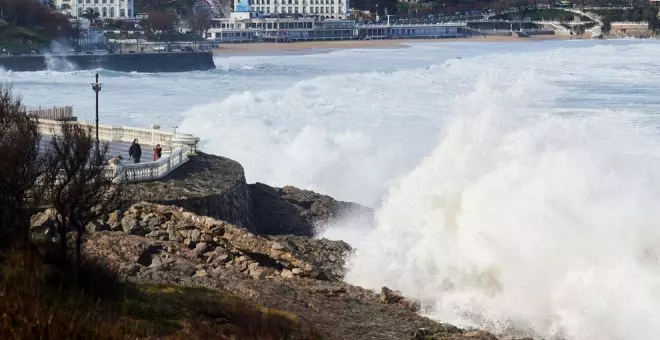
[
  {"x": 108, "y": 9},
  {"x": 330, "y": 9}
]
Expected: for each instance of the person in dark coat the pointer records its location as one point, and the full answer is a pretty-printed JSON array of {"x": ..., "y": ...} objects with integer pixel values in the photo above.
[
  {"x": 158, "y": 152},
  {"x": 135, "y": 151}
]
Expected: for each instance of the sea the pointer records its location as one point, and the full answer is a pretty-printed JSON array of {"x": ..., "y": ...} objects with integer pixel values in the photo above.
[{"x": 516, "y": 184}]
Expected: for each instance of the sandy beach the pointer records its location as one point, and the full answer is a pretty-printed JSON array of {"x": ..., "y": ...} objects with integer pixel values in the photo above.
[{"x": 306, "y": 47}]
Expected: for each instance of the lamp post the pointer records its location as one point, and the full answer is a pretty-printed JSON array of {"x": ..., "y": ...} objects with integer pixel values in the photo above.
[{"x": 97, "y": 88}]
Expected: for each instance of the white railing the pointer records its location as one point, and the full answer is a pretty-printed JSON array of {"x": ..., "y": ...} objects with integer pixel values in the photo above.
[
  {"x": 176, "y": 148},
  {"x": 148, "y": 171},
  {"x": 167, "y": 140}
]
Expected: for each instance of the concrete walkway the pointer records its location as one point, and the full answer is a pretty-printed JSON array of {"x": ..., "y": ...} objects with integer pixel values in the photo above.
[{"x": 114, "y": 149}]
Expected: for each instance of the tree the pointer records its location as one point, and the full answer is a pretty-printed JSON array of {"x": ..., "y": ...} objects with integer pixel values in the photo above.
[
  {"x": 22, "y": 165},
  {"x": 91, "y": 14},
  {"x": 607, "y": 25},
  {"x": 201, "y": 22},
  {"x": 78, "y": 188},
  {"x": 158, "y": 22}
]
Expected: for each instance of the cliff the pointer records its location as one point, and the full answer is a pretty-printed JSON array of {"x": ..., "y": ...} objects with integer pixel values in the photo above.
[{"x": 134, "y": 62}]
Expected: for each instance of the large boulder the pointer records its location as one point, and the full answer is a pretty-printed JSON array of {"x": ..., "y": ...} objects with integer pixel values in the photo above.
[{"x": 292, "y": 211}]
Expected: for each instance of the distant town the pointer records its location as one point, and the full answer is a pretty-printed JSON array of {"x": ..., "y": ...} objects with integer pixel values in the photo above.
[{"x": 155, "y": 26}]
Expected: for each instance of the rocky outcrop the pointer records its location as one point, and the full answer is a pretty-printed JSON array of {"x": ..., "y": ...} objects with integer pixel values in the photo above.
[
  {"x": 152, "y": 243},
  {"x": 207, "y": 185},
  {"x": 294, "y": 211},
  {"x": 185, "y": 235}
]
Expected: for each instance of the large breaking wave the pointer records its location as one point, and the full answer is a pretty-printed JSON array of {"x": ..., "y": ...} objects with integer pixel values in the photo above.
[{"x": 527, "y": 223}]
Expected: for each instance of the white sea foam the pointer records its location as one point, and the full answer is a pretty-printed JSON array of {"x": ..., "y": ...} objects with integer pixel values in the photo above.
[{"x": 524, "y": 222}]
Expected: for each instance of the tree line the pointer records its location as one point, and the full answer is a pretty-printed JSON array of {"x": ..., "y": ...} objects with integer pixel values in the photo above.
[
  {"x": 65, "y": 175},
  {"x": 33, "y": 14}
]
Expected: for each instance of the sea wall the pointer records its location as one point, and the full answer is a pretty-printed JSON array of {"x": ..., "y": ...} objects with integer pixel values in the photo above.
[
  {"x": 133, "y": 62},
  {"x": 206, "y": 185}
]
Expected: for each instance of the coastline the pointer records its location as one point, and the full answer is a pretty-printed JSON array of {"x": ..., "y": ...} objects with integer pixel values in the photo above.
[{"x": 321, "y": 46}]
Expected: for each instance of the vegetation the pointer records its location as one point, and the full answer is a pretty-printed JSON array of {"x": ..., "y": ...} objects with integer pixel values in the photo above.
[
  {"x": 41, "y": 302},
  {"x": 27, "y": 23},
  {"x": 636, "y": 14},
  {"x": 44, "y": 296},
  {"x": 543, "y": 14}
]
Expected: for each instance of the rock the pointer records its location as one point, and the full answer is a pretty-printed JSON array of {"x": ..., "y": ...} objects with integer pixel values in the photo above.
[
  {"x": 185, "y": 267},
  {"x": 292, "y": 211},
  {"x": 157, "y": 263},
  {"x": 257, "y": 274},
  {"x": 479, "y": 335},
  {"x": 97, "y": 226},
  {"x": 206, "y": 238},
  {"x": 174, "y": 235},
  {"x": 189, "y": 243},
  {"x": 217, "y": 271},
  {"x": 223, "y": 257},
  {"x": 195, "y": 235},
  {"x": 421, "y": 334},
  {"x": 389, "y": 296},
  {"x": 201, "y": 273},
  {"x": 286, "y": 274},
  {"x": 241, "y": 266},
  {"x": 201, "y": 248},
  {"x": 152, "y": 220},
  {"x": 276, "y": 246},
  {"x": 253, "y": 266},
  {"x": 43, "y": 219},
  {"x": 129, "y": 269},
  {"x": 296, "y": 271},
  {"x": 130, "y": 226},
  {"x": 159, "y": 234}
]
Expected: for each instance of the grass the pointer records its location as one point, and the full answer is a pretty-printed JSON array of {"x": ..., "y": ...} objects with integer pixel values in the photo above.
[{"x": 38, "y": 301}]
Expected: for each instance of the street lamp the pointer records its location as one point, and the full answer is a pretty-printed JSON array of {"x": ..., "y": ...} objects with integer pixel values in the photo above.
[{"x": 97, "y": 88}]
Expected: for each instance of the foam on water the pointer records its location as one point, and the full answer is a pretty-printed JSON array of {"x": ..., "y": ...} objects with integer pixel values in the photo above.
[{"x": 527, "y": 223}]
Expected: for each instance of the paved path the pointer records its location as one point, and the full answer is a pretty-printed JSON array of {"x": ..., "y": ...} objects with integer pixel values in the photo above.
[{"x": 114, "y": 149}]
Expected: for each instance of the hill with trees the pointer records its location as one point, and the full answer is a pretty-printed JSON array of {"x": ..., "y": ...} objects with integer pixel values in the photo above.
[{"x": 28, "y": 24}]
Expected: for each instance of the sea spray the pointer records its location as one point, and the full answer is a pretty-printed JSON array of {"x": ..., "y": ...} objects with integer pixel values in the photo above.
[
  {"x": 526, "y": 223},
  {"x": 56, "y": 57}
]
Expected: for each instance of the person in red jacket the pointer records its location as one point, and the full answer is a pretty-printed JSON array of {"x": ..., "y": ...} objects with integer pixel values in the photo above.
[{"x": 158, "y": 152}]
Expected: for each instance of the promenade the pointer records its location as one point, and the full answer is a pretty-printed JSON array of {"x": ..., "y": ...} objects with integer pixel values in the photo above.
[
  {"x": 176, "y": 146},
  {"x": 114, "y": 149}
]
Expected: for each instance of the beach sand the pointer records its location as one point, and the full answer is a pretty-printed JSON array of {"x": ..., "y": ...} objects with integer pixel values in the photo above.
[{"x": 321, "y": 46}]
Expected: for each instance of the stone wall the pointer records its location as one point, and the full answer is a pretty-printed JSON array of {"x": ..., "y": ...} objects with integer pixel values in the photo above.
[
  {"x": 138, "y": 62},
  {"x": 206, "y": 185}
]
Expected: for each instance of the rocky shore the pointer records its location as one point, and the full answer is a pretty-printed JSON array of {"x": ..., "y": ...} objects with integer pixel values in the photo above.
[{"x": 258, "y": 246}]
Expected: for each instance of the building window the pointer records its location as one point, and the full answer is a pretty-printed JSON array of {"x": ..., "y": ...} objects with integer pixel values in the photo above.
[
  {"x": 130, "y": 12},
  {"x": 80, "y": 12},
  {"x": 122, "y": 13},
  {"x": 96, "y": 1},
  {"x": 104, "y": 13},
  {"x": 112, "y": 11}
]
